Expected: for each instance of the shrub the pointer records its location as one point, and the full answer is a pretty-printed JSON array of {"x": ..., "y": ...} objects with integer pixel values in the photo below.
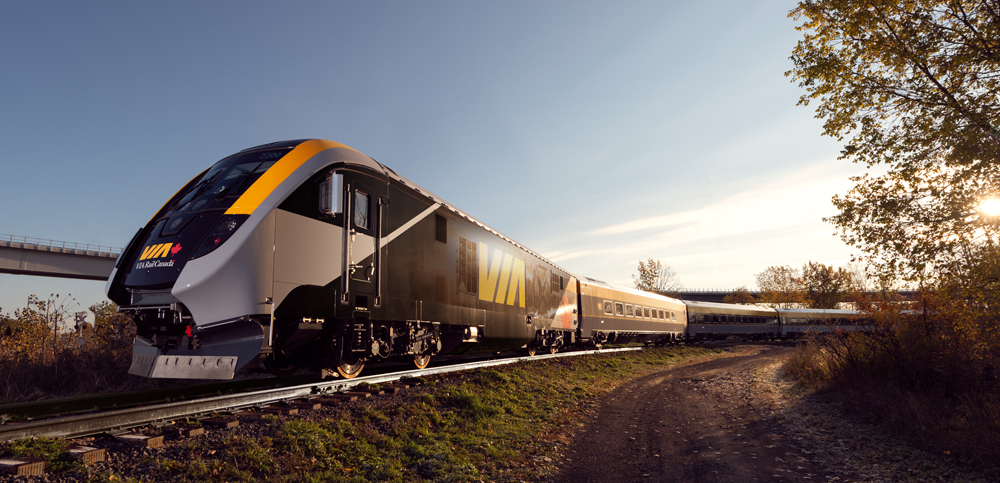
[
  {"x": 40, "y": 358},
  {"x": 927, "y": 370}
]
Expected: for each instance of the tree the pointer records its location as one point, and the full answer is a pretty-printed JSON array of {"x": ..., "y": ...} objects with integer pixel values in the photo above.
[
  {"x": 657, "y": 277},
  {"x": 825, "y": 286},
  {"x": 781, "y": 287},
  {"x": 913, "y": 86},
  {"x": 740, "y": 296}
]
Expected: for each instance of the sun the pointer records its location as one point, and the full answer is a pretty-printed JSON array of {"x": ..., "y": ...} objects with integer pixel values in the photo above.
[{"x": 990, "y": 207}]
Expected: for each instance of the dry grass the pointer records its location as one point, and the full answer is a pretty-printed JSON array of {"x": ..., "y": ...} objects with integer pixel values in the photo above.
[
  {"x": 37, "y": 361},
  {"x": 928, "y": 374}
]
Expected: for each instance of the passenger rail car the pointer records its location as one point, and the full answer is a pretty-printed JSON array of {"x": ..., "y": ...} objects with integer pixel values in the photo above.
[
  {"x": 796, "y": 323},
  {"x": 707, "y": 320},
  {"x": 309, "y": 254},
  {"x": 621, "y": 315}
]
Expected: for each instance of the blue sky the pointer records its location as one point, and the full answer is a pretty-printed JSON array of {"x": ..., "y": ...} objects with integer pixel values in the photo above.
[{"x": 596, "y": 133}]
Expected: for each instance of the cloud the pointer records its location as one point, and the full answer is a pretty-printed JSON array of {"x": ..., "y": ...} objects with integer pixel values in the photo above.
[
  {"x": 770, "y": 205},
  {"x": 760, "y": 222}
]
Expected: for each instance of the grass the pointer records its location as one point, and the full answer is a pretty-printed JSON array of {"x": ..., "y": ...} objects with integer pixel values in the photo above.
[{"x": 494, "y": 424}]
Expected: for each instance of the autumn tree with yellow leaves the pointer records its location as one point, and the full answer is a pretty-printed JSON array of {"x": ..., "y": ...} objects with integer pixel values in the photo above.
[
  {"x": 913, "y": 87},
  {"x": 781, "y": 286},
  {"x": 740, "y": 296},
  {"x": 657, "y": 277}
]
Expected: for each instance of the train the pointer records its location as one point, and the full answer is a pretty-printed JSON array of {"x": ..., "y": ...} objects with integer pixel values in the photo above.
[{"x": 308, "y": 254}]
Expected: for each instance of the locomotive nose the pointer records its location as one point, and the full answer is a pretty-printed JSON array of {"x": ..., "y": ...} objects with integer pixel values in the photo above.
[{"x": 204, "y": 353}]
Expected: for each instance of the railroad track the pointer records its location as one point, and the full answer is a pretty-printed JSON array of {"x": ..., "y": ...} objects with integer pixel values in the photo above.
[{"x": 119, "y": 420}]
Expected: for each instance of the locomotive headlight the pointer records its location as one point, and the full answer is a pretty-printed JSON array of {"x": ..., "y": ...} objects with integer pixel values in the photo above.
[{"x": 223, "y": 229}]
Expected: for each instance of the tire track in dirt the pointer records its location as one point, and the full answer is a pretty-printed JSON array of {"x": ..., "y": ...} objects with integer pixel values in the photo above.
[{"x": 693, "y": 424}]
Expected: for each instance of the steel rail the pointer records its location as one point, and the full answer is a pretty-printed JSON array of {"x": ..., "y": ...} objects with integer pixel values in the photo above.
[{"x": 121, "y": 419}]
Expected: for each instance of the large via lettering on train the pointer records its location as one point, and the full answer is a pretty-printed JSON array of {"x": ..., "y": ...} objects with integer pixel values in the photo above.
[{"x": 501, "y": 278}]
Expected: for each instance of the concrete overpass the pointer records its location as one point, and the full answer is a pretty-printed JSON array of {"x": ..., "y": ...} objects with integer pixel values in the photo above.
[{"x": 51, "y": 258}]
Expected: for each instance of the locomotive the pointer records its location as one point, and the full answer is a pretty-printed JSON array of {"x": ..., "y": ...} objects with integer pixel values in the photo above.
[{"x": 310, "y": 254}]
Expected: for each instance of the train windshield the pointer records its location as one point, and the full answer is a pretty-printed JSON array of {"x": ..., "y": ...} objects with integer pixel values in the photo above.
[
  {"x": 224, "y": 182},
  {"x": 194, "y": 222}
]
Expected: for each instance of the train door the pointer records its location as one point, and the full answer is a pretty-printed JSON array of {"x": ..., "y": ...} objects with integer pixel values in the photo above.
[{"x": 361, "y": 282}]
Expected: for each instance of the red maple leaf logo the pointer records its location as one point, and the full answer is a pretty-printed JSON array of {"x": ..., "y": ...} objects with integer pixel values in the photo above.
[{"x": 175, "y": 249}]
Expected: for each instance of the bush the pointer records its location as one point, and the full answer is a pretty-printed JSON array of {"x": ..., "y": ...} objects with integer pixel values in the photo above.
[
  {"x": 40, "y": 359},
  {"x": 927, "y": 370}
]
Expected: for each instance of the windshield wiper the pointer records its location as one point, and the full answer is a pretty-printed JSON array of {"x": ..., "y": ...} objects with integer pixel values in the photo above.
[{"x": 238, "y": 181}]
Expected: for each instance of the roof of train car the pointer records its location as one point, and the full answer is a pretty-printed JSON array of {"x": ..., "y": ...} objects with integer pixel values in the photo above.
[
  {"x": 817, "y": 311},
  {"x": 629, "y": 290},
  {"x": 715, "y": 305}
]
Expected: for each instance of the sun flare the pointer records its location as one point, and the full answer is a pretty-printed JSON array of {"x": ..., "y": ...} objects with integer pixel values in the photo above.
[{"x": 990, "y": 207}]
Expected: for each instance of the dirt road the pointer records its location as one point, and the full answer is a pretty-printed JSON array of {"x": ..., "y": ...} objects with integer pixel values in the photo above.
[{"x": 697, "y": 423}]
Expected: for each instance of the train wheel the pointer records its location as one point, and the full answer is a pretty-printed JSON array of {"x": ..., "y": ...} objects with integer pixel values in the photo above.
[
  {"x": 553, "y": 349},
  {"x": 532, "y": 351},
  {"x": 421, "y": 361},
  {"x": 350, "y": 368}
]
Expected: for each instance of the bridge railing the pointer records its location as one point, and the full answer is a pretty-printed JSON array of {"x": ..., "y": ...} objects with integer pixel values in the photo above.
[{"x": 56, "y": 246}]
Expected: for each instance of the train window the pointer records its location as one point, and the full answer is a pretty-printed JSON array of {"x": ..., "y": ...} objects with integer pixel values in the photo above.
[
  {"x": 619, "y": 308},
  {"x": 441, "y": 229},
  {"x": 361, "y": 211},
  {"x": 628, "y": 310},
  {"x": 673, "y": 316},
  {"x": 645, "y": 312},
  {"x": 468, "y": 266},
  {"x": 607, "y": 307},
  {"x": 638, "y": 311},
  {"x": 555, "y": 282},
  {"x": 331, "y": 199},
  {"x": 661, "y": 314},
  {"x": 562, "y": 283}
]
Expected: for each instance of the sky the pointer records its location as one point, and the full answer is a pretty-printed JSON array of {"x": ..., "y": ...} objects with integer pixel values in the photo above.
[{"x": 596, "y": 133}]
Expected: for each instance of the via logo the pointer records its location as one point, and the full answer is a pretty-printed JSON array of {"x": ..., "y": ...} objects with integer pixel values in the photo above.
[
  {"x": 501, "y": 281},
  {"x": 159, "y": 251}
]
